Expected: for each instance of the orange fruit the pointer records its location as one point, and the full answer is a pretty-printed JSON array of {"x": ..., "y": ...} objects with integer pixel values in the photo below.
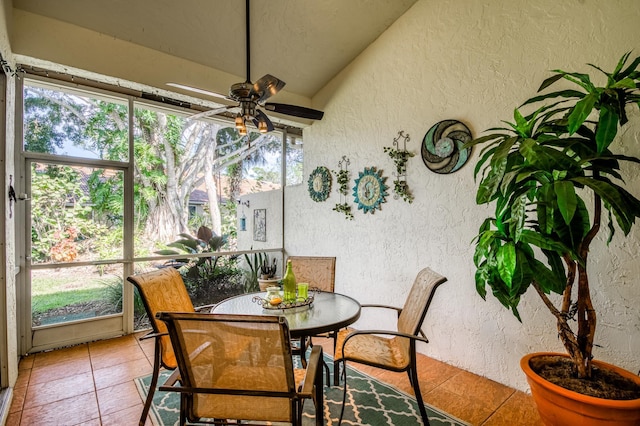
[{"x": 275, "y": 301}]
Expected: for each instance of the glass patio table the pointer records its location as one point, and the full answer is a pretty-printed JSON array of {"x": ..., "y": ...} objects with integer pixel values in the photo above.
[{"x": 328, "y": 312}]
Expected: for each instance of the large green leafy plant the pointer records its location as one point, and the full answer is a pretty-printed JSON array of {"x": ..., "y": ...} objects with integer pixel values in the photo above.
[{"x": 554, "y": 178}]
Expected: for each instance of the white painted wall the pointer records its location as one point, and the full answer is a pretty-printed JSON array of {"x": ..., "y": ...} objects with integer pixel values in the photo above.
[{"x": 472, "y": 61}]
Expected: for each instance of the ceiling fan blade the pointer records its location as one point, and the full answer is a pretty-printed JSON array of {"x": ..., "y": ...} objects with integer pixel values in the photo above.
[
  {"x": 261, "y": 116},
  {"x": 210, "y": 112},
  {"x": 296, "y": 111},
  {"x": 198, "y": 90},
  {"x": 266, "y": 87}
]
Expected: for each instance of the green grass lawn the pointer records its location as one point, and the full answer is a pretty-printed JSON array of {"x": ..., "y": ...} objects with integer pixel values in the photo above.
[{"x": 52, "y": 292}]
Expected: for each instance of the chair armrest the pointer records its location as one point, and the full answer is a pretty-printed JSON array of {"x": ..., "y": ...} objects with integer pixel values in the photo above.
[
  {"x": 383, "y": 332},
  {"x": 205, "y": 307},
  {"x": 373, "y": 305},
  {"x": 313, "y": 366},
  {"x": 398, "y": 310},
  {"x": 152, "y": 335}
]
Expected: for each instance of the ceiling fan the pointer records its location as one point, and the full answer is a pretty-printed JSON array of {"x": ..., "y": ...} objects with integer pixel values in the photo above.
[{"x": 251, "y": 98}]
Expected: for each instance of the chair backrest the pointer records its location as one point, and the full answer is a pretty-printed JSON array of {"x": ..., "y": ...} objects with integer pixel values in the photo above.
[
  {"x": 418, "y": 301},
  {"x": 163, "y": 290},
  {"x": 239, "y": 366},
  {"x": 319, "y": 272}
]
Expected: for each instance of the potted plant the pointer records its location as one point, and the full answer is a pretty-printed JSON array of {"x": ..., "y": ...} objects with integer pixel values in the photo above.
[
  {"x": 554, "y": 178},
  {"x": 267, "y": 272}
]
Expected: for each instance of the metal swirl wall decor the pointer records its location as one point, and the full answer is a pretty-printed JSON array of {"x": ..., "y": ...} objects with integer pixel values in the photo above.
[
  {"x": 442, "y": 146},
  {"x": 319, "y": 184}
]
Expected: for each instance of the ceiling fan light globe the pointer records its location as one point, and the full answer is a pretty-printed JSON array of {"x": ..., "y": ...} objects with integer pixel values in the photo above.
[
  {"x": 239, "y": 122},
  {"x": 243, "y": 131},
  {"x": 262, "y": 127}
]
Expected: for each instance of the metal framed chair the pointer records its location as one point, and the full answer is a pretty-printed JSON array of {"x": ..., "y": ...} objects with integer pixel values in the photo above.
[
  {"x": 161, "y": 290},
  {"x": 237, "y": 368},
  {"x": 392, "y": 350},
  {"x": 320, "y": 273}
]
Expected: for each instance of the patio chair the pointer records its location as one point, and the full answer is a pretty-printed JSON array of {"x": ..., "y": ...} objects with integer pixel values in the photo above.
[
  {"x": 395, "y": 353},
  {"x": 237, "y": 368},
  {"x": 161, "y": 290},
  {"x": 320, "y": 273}
]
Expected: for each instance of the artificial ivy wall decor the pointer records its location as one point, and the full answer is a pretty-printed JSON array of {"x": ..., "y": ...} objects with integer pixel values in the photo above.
[
  {"x": 400, "y": 156},
  {"x": 342, "y": 179},
  {"x": 320, "y": 184},
  {"x": 370, "y": 190},
  {"x": 442, "y": 146}
]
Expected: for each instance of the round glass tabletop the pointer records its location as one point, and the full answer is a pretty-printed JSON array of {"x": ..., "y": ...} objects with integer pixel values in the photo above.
[{"x": 328, "y": 312}]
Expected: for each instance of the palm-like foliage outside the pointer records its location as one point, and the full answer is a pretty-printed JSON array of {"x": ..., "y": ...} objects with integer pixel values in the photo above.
[{"x": 541, "y": 172}]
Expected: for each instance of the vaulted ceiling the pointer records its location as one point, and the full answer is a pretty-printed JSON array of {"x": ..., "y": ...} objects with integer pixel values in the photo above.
[{"x": 303, "y": 42}]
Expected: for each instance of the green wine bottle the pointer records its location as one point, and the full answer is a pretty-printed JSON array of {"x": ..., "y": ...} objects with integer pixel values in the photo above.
[{"x": 289, "y": 284}]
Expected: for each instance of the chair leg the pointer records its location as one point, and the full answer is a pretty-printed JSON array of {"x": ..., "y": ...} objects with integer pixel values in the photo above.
[
  {"x": 319, "y": 398},
  {"x": 154, "y": 382},
  {"x": 303, "y": 351},
  {"x": 413, "y": 378},
  {"x": 344, "y": 391},
  {"x": 336, "y": 371},
  {"x": 327, "y": 372}
]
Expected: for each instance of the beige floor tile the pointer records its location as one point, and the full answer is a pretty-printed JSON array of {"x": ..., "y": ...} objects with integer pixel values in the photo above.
[
  {"x": 519, "y": 410},
  {"x": 118, "y": 397},
  {"x": 73, "y": 353},
  {"x": 433, "y": 373},
  {"x": 26, "y": 362},
  {"x": 60, "y": 370},
  {"x": 114, "y": 375},
  {"x": 81, "y": 409},
  {"x": 56, "y": 390},
  {"x": 469, "y": 410},
  {"x": 116, "y": 356},
  {"x": 17, "y": 403},
  {"x": 23, "y": 378},
  {"x": 104, "y": 347},
  {"x": 479, "y": 389},
  {"x": 13, "y": 419},
  {"x": 128, "y": 416}
]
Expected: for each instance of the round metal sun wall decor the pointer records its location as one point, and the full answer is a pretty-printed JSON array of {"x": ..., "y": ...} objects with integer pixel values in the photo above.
[
  {"x": 370, "y": 190},
  {"x": 442, "y": 146},
  {"x": 320, "y": 184}
]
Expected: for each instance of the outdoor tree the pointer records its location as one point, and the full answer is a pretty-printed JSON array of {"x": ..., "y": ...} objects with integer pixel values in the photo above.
[{"x": 173, "y": 156}]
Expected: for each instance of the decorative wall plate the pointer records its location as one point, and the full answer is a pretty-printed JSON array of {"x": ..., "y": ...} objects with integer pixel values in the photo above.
[
  {"x": 320, "y": 183},
  {"x": 442, "y": 146},
  {"x": 370, "y": 190}
]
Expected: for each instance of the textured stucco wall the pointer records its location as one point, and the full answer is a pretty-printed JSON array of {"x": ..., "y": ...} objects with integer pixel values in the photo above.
[
  {"x": 271, "y": 201},
  {"x": 473, "y": 61}
]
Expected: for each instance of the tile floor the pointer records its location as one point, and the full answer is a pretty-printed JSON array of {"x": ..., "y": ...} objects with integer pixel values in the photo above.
[{"x": 92, "y": 385}]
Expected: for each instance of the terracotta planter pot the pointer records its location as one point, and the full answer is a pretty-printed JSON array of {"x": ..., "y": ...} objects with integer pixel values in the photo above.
[
  {"x": 561, "y": 407},
  {"x": 263, "y": 284}
]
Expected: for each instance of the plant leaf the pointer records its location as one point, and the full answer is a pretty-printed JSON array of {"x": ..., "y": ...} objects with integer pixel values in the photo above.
[
  {"x": 549, "y": 81},
  {"x": 507, "y": 262},
  {"x": 566, "y": 199},
  {"x": 491, "y": 182},
  {"x": 548, "y": 280},
  {"x": 569, "y": 94},
  {"x": 581, "y": 111},
  {"x": 607, "y": 128}
]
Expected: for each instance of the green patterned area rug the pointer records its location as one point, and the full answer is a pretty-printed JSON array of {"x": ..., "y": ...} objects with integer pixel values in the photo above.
[{"x": 369, "y": 402}]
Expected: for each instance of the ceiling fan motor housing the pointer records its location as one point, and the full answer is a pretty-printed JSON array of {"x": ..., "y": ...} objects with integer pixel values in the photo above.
[{"x": 241, "y": 91}]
